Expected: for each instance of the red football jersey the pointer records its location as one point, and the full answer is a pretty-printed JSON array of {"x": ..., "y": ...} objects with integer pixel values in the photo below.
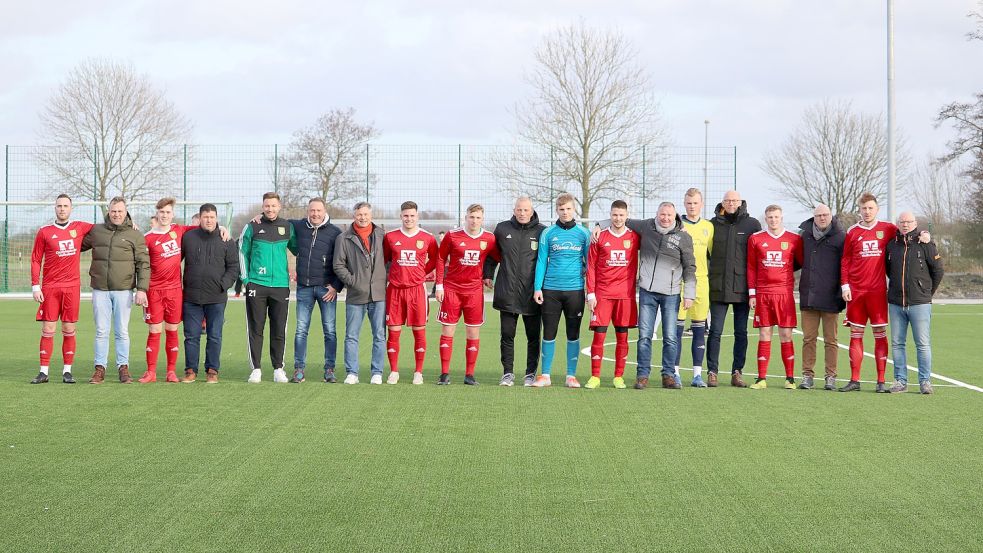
[
  {"x": 863, "y": 262},
  {"x": 59, "y": 247},
  {"x": 165, "y": 256},
  {"x": 772, "y": 262},
  {"x": 612, "y": 265},
  {"x": 410, "y": 257},
  {"x": 464, "y": 256}
]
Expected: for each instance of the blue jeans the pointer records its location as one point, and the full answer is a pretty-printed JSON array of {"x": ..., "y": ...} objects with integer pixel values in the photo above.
[
  {"x": 306, "y": 297},
  {"x": 193, "y": 315},
  {"x": 648, "y": 304},
  {"x": 112, "y": 307},
  {"x": 354, "y": 315},
  {"x": 718, "y": 316},
  {"x": 920, "y": 319}
]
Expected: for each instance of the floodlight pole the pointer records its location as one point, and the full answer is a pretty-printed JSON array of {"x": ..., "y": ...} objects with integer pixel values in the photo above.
[{"x": 891, "y": 145}]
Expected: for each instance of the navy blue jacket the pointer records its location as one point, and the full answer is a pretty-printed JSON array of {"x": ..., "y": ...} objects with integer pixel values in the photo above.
[
  {"x": 315, "y": 252},
  {"x": 819, "y": 283}
]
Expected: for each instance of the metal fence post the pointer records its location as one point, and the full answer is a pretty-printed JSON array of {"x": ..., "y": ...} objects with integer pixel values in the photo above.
[
  {"x": 644, "y": 194},
  {"x": 460, "y": 221},
  {"x": 95, "y": 181},
  {"x": 735, "y": 167},
  {"x": 366, "y": 171},
  {"x": 276, "y": 168},
  {"x": 552, "y": 157},
  {"x": 184, "y": 209},
  {"x": 6, "y": 219}
]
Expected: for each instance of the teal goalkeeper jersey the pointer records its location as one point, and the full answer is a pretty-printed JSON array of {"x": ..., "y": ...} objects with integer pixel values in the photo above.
[{"x": 562, "y": 258}]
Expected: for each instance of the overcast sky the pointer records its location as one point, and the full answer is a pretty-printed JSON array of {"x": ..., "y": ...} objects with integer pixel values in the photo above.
[{"x": 432, "y": 72}]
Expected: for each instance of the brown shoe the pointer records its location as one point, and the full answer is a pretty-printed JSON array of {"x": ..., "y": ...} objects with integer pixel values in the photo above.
[
  {"x": 189, "y": 376},
  {"x": 641, "y": 382},
  {"x": 99, "y": 375},
  {"x": 212, "y": 377},
  {"x": 124, "y": 374},
  {"x": 736, "y": 380},
  {"x": 668, "y": 381},
  {"x": 711, "y": 380}
]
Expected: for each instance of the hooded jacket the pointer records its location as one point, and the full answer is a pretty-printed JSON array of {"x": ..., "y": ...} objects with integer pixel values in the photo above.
[
  {"x": 363, "y": 272},
  {"x": 819, "y": 281},
  {"x": 211, "y": 266},
  {"x": 665, "y": 259},
  {"x": 914, "y": 270},
  {"x": 518, "y": 245},
  {"x": 315, "y": 253},
  {"x": 728, "y": 262},
  {"x": 120, "y": 260}
]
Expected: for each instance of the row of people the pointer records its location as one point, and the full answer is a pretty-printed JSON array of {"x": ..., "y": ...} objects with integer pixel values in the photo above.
[{"x": 678, "y": 267}]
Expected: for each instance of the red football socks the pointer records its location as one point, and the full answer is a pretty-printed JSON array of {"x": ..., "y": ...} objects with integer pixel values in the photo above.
[
  {"x": 620, "y": 353},
  {"x": 68, "y": 348},
  {"x": 446, "y": 348},
  {"x": 171, "y": 342},
  {"x": 597, "y": 353},
  {"x": 420, "y": 347},
  {"x": 47, "y": 344},
  {"x": 471, "y": 357},
  {"x": 392, "y": 349},
  {"x": 153, "y": 350},
  {"x": 880, "y": 351},
  {"x": 788, "y": 359},
  {"x": 764, "y": 355},
  {"x": 856, "y": 352}
]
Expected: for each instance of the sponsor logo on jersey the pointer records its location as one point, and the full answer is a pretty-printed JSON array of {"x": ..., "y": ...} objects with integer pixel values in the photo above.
[
  {"x": 618, "y": 258},
  {"x": 170, "y": 249},
  {"x": 870, "y": 248},
  {"x": 470, "y": 258},
  {"x": 66, "y": 248},
  {"x": 407, "y": 258}
]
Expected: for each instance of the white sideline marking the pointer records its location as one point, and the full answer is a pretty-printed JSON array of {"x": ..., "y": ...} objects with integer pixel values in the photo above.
[{"x": 953, "y": 383}]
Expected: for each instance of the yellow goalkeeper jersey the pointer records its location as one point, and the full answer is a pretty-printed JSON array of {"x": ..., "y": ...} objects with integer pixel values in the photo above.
[{"x": 702, "y": 233}]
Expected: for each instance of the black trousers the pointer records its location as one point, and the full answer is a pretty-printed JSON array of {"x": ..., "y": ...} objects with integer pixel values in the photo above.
[
  {"x": 510, "y": 321},
  {"x": 566, "y": 304},
  {"x": 260, "y": 301}
]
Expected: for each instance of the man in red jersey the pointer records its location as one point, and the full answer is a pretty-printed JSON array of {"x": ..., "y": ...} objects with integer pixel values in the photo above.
[
  {"x": 463, "y": 252},
  {"x": 773, "y": 256},
  {"x": 55, "y": 257},
  {"x": 612, "y": 270},
  {"x": 411, "y": 254},
  {"x": 164, "y": 299},
  {"x": 864, "y": 285}
]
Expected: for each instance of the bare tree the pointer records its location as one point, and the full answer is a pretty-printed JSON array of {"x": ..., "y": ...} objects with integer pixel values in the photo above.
[
  {"x": 114, "y": 133},
  {"x": 940, "y": 192},
  {"x": 591, "y": 114},
  {"x": 327, "y": 159},
  {"x": 833, "y": 157}
]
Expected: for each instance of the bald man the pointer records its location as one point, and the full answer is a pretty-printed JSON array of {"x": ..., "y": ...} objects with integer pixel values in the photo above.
[{"x": 820, "y": 300}]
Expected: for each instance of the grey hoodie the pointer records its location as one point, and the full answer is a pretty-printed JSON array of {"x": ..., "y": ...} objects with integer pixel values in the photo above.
[{"x": 664, "y": 260}]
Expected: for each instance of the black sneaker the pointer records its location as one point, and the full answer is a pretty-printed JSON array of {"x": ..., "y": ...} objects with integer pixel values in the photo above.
[
  {"x": 444, "y": 379},
  {"x": 469, "y": 380},
  {"x": 67, "y": 378},
  {"x": 329, "y": 376},
  {"x": 881, "y": 388},
  {"x": 41, "y": 378},
  {"x": 852, "y": 386}
]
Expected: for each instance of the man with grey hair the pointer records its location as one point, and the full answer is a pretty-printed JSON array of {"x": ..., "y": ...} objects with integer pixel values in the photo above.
[
  {"x": 914, "y": 270},
  {"x": 820, "y": 300},
  {"x": 360, "y": 264}
]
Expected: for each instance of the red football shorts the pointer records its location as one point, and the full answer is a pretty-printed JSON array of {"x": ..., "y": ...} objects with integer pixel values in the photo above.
[
  {"x": 60, "y": 302},
  {"x": 775, "y": 309},
  {"x": 407, "y": 306},
  {"x": 620, "y": 312},
  {"x": 472, "y": 305},
  {"x": 867, "y": 306},
  {"x": 163, "y": 306}
]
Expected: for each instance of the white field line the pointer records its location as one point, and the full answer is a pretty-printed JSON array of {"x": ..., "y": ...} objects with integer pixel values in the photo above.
[{"x": 953, "y": 383}]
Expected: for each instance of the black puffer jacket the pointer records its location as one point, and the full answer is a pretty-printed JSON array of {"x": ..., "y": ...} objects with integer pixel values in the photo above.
[
  {"x": 211, "y": 266},
  {"x": 728, "y": 259},
  {"x": 914, "y": 270},
  {"x": 518, "y": 245},
  {"x": 315, "y": 253},
  {"x": 819, "y": 285}
]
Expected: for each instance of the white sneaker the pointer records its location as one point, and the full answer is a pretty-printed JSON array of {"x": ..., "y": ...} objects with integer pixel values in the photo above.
[
  {"x": 418, "y": 378},
  {"x": 376, "y": 379},
  {"x": 351, "y": 379},
  {"x": 542, "y": 381},
  {"x": 572, "y": 382},
  {"x": 393, "y": 378},
  {"x": 255, "y": 377},
  {"x": 280, "y": 376}
]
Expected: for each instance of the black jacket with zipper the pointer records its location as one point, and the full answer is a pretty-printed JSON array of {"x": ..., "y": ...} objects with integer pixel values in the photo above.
[
  {"x": 819, "y": 284},
  {"x": 211, "y": 266},
  {"x": 914, "y": 270},
  {"x": 727, "y": 270},
  {"x": 315, "y": 253},
  {"x": 518, "y": 244}
]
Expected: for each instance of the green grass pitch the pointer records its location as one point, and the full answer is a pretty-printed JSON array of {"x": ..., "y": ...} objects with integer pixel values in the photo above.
[{"x": 318, "y": 467}]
